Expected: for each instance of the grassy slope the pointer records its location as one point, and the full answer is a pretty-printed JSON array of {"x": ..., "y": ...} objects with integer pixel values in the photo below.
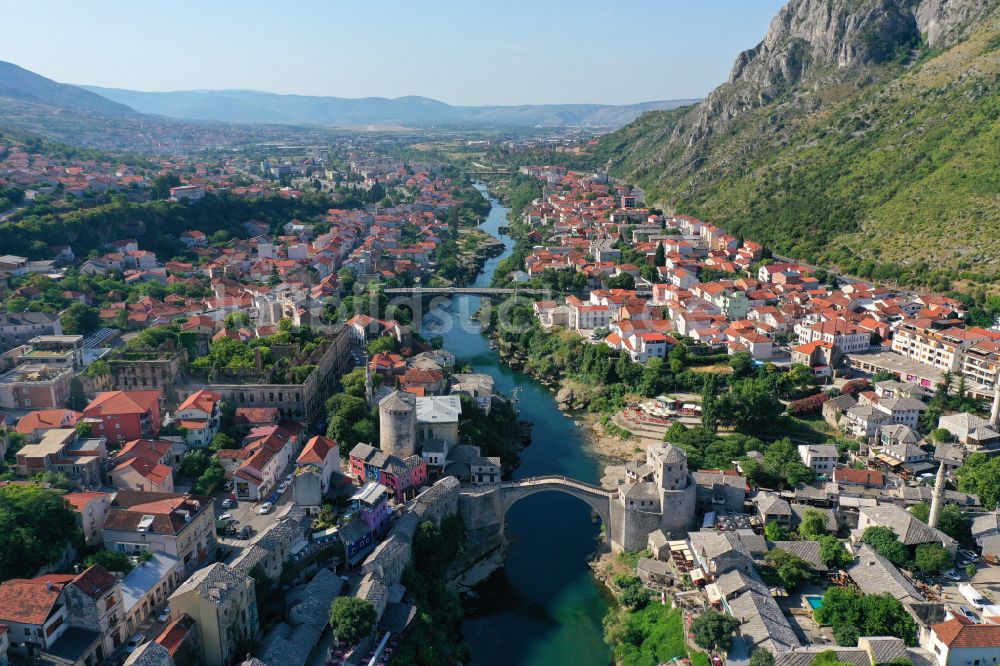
[{"x": 903, "y": 174}]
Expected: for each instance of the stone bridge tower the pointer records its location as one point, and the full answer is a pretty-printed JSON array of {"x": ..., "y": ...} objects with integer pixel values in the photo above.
[{"x": 397, "y": 414}]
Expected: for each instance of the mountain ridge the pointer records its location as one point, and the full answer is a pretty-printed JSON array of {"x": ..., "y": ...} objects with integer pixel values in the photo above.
[
  {"x": 855, "y": 133},
  {"x": 255, "y": 106}
]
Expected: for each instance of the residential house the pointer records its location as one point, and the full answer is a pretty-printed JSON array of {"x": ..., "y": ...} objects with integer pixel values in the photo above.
[
  {"x": 822, "y": 458},
  {"x": 34, "y": 425},
  {"x": 90, "y": 509},
  {"x": 124, "y": 415},
  {"x": 314, "y": 467},
  {"x": 908, "y": 528},
  {"x": 63, "y": 451},
  {"x": 182, "y": 526},
  {"x": 961, "y": 642},
  {"x": 137, "y": 473},
  {"x": 147, "y": 586},
  {"x": 94, "y": 602},
  {"x": 199, "y": 416},
  {"x": 222, "y": 603},
  {"x": 437, "y": 418}
]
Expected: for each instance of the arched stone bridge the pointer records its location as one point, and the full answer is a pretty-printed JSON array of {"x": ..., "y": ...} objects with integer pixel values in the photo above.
[{"x": 597, "y": 498}]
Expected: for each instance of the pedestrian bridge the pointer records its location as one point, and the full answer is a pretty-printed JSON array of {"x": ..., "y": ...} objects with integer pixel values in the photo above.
[{"x": 597, "y": 498}]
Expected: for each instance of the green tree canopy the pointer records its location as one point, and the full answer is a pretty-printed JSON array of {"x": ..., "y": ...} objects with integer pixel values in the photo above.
[
  {"x": 790, "y": 569},
  {"x": 980, "y": 475},
  {"x": 713, "y": 630},
  {"x": 775, "y": 531},
  {"x": 813, "y": 525},
  {"x": 38, "y": 525},
  {"x": 932, "y": 558},
  {"x": 833, "y": 553},
  {"x": 854, "y": 614},
  {"x": 761, "y": 657},
  {"x": 886, "y": 543},
  {"x": 352, "y": 618},
  {"x": 952, "y": 520},
  {"x": 111, "y": 560}
]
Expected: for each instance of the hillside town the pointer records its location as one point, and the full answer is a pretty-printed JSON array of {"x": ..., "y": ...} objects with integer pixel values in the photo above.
[{"x": 238, "y": 458}]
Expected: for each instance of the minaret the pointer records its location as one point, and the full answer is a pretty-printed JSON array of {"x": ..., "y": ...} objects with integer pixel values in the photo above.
[
  {"x": 995, "y": 412},
  {"x": 938, "y": 497},
  {"x": 369, "y": 384}
]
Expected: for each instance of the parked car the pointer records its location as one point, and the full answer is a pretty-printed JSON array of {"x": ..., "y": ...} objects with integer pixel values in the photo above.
[
  {"x": 264, "y": 508},
  {"x": 245, "y": 532},
  {"x": 952, "y": 574},
  {"x": 282, "y": 488},
  {"x": 164, "y": 614},
  {"x": 969, "y": 614},
  {"x": 968, "y": 554},
  {"x": 134, "y": 643},
  {"x": 288, "y": 479},
  {"x": 226, "y": 516},
  {"x": 227, "y": 503}
]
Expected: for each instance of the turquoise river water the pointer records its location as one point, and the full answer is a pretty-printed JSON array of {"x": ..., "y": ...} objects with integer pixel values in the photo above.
[{"x": 544, "y": 607}]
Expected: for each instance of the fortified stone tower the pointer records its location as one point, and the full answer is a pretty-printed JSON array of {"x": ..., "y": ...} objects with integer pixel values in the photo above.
[
  {"x": 398, "y": 424},
  {"x": 659, "y": 495}
]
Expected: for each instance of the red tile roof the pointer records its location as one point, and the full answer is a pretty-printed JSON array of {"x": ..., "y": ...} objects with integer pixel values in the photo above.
[
  {"x": 960, "y": 632},
  {"x": 316, "y": 449},
  {"x": 122, "y": 402},
  {"x": 95, "y": 581},
  {"x": 79, "y": 501},
  {"x": 30, "y": 601}
]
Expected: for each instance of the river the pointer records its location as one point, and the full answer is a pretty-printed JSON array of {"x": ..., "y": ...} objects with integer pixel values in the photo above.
[{"x": 544, "y": 607}]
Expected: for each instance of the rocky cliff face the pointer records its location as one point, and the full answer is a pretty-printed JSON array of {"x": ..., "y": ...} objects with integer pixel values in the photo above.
[
  {"x": 857, "y": 132},
  {"x": 831, "y": 40}
]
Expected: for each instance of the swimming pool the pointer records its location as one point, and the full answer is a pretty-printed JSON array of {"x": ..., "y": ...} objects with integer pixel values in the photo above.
[{"x": 815, "y": 602}]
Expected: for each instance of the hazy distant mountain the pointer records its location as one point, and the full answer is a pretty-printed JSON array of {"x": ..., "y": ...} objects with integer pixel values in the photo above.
[
  {"x": 17, "y": 83},
  {"x": 250, "y": 106}
]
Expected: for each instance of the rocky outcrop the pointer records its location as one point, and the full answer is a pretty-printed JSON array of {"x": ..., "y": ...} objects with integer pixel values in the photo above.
[{"x": 826, "y": 41}]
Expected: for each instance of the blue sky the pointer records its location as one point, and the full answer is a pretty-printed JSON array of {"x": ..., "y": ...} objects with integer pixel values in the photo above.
[{"x": 461, "y": 52}]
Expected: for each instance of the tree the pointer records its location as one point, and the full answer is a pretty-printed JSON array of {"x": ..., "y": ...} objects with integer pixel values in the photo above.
[
  {"x": 951, "y": 520},
  {"x": 813, "y": 525},
  {"x": 942, "y": 436},
  {"x": 660, "y": 258},
  {"x": 713, "y": 630},
  {"x": 194, "y": 462},
  {"x": 761, "y": 657},
  {"x": 774, "y": 531},
  {"x": 351, "y": 619},
  {"x": 980, "y": 475},
  {"x": 386, "y": 343},
  {"x": 620, "y": 281},
  {"x": 38, "y": 526},
  {"x": 829, "y": 657},
  {"x": 77, "y": 399},
  {"x": 111, "y": 560},
  {"x": 223, "y": 441},
  {"x": 833, "y": 553},
  {"x": 162, "y": 184},
  {"x": 931, "y": 558},
  {"x": 210, "y": 479},
  {"x": 80, "y": 319},
  {"x": 854, "y": 614},
  {"x": 750, "y": 406},
  {"x": 791, "y": 569},
  {"x": 886, "y": 544}
]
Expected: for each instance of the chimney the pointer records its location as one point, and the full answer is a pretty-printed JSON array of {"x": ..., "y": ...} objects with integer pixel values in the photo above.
[{"x": 938, "y": 496}]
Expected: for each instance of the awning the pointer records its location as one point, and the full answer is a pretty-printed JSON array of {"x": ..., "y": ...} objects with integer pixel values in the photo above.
[
  {"x": 892, "y": 462},
  {"x": 697, "y": 574}
]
